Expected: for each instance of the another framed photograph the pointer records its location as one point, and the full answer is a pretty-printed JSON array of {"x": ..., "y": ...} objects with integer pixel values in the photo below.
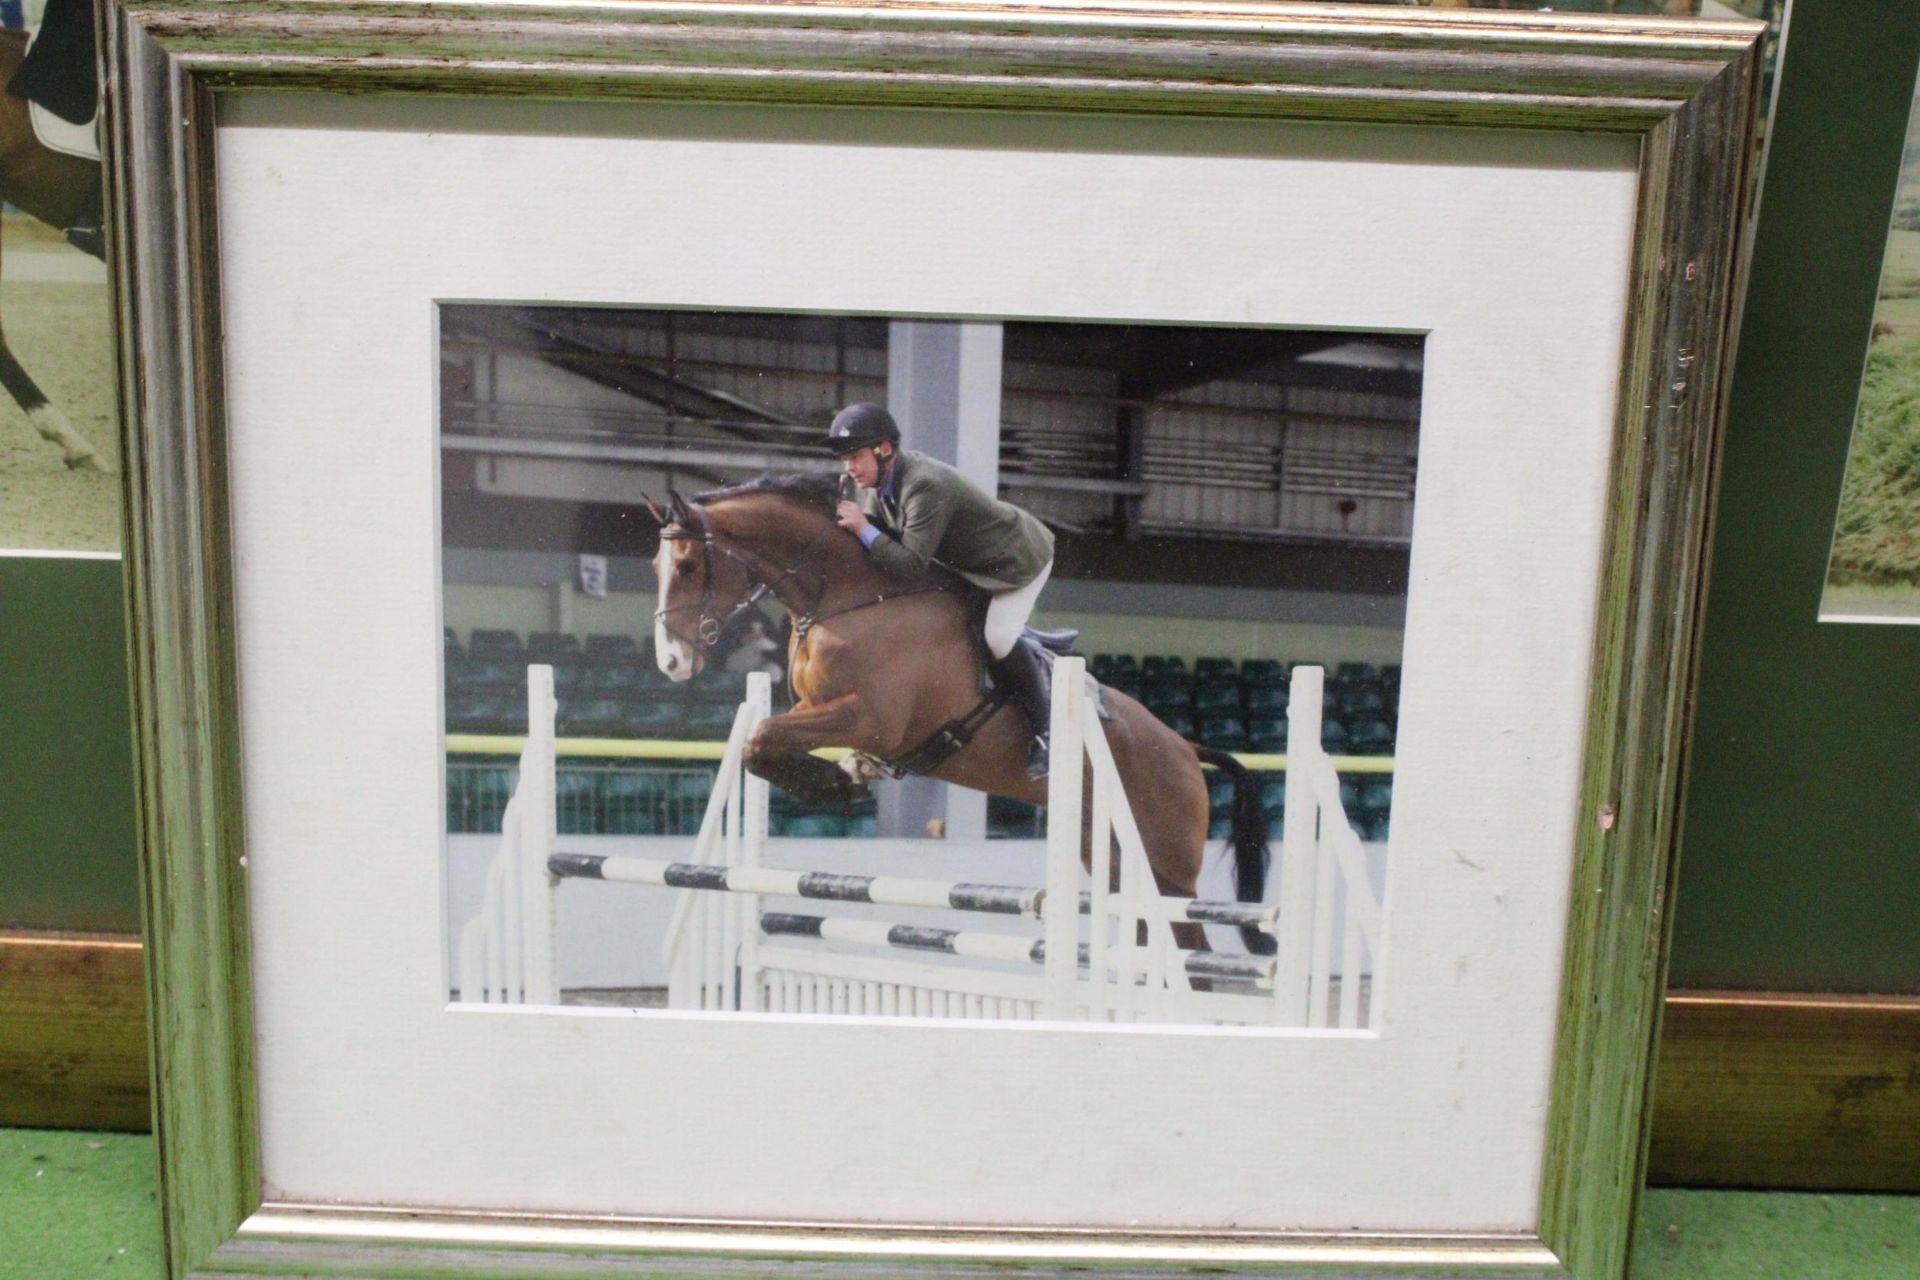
[{"x": 939, "y": 636}]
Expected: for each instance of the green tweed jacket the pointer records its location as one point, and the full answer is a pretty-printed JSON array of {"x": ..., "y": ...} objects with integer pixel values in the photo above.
[{"x": 938, "y": 516}]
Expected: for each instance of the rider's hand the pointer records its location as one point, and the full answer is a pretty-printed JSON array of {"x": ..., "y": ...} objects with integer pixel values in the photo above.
[{"x": 851, "y": 518}]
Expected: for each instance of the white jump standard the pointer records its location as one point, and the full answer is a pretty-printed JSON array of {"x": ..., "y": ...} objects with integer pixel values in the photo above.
[{"x": 1105, "y": 952}]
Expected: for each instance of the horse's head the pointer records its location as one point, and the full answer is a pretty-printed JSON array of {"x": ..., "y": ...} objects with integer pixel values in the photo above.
[
  {"x": 703, "y": 586},
  {"x": 722, "y": 552}
]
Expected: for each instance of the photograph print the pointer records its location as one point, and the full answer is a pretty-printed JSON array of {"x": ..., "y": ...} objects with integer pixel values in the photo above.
[
  {"x": 922, "y": 667},
  {"x": 59, "y": 446}
]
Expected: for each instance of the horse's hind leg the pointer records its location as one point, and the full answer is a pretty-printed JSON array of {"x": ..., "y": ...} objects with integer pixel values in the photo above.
[{"x": 46, "y": 416}]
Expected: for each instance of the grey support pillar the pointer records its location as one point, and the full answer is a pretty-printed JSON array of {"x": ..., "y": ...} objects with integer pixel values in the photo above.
[{"x": 943, "y": 388}]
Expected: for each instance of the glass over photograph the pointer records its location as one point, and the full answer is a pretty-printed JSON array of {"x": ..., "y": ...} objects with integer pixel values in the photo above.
[
  {"x": 59, "y": 442},
  {"x": 907, "y": 667},
  {"x": 1873, "y": 574}
]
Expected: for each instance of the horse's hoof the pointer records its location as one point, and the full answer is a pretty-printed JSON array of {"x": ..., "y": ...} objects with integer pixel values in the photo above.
[
  {"x": 85, "y": 461},
  {"x": 861, "y": 769}
]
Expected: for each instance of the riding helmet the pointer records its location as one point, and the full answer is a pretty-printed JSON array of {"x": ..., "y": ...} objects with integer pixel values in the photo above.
[{"x": 860, "y": 425}]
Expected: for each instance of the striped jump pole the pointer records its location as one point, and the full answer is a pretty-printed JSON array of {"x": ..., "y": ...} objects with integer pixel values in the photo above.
[
  {"x": 984, "y": 946},
  {"x": 888, "y": 891}
]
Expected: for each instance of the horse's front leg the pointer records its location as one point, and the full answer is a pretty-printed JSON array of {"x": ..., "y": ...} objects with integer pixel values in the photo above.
[{"x": 778, "y": 751}]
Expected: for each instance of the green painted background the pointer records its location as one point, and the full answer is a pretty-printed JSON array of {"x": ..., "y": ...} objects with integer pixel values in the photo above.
[
  {"x": 66, "y": 756},
  {"x": 1801, "y": 867},
  {"x": 1801, "y": 862}
]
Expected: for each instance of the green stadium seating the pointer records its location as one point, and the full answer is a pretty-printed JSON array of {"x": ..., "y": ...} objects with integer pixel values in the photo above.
[
  {"x": 1361, "y": 700},
  {"x": 613, "y": 681},
  {"x": 468, "y": 712},
  {"x": 551, "y": 646},
  {"x": 611, "y": 648},
  {"x": 1372, "y": 736},
  {"x": 1376, "y": 794},
  {"x": 1224, "y": 733},
  {"x": 1165, "y": 696},
  {"x": 1216, "y": 669},
  {"x": 649, "y": 719},
  {"x": 1266, "y": 697},
  {"x": 1180, "y": 722},
  {"x": 707, "y": 720},
  {"x": 495, "y": 642},
  {"x": 1263, "y": 672},
  {"x": 1267, "y": 733},
  {"x": 594, "y": 718},
  {"x": 1216, "y": 699}
]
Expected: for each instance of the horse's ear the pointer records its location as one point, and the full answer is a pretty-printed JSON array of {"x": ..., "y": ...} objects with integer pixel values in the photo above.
[
  {"x": 677, "y": 507},
  {"x": 659, "y": 515}
]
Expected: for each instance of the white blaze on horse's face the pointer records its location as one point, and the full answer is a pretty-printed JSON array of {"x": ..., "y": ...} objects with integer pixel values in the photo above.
[{"x": 677, "y": 659}]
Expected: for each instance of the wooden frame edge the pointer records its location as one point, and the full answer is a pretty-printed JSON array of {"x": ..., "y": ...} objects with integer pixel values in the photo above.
[
  {"x": 73, "y": 1031},
  {"x": 1770, "y": 1090}
]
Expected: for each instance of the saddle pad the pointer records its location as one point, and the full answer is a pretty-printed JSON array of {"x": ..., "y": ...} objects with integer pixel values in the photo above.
[{"x": 55, "y": 134}]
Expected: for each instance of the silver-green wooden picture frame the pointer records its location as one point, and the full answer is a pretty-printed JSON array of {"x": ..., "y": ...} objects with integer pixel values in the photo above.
[{"x": 1685, "y": 92}]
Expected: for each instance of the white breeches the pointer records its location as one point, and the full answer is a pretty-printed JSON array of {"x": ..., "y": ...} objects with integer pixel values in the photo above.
[{"x": 1008, "y": 611}]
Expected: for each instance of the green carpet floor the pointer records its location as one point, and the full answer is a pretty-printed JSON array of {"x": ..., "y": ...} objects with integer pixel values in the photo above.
[{"x": 75, "y": 1206}]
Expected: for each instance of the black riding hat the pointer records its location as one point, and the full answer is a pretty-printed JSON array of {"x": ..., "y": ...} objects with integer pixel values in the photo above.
[{"x": 859, "y": 426}]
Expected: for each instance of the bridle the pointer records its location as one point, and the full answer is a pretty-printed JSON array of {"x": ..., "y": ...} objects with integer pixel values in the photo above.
[{"x": 709, "y": 627}]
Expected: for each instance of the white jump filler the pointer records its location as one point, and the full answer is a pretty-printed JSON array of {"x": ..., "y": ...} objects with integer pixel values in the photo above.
[{"x": 1103, "y": 951}]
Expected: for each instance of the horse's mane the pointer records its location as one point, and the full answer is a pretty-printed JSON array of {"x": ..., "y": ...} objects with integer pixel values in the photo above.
[{"x": 817, "y": 491}]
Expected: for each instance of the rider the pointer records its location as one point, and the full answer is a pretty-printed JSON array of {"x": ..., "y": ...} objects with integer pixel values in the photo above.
[
  {"x": 58, "y": 73},
  {"x": 915, "y": 512}
]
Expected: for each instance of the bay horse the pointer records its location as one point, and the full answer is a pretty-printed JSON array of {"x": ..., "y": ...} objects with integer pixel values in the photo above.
[
  {"x": 880, "y": 665},
  {"x": 59, "y": 190}
]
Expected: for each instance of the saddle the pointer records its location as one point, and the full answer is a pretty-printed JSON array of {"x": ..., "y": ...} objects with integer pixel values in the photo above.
[
  {"x": 950, "y": 738},
  {"x": 1058, "y": 642},
  {"x": 58, "y": 73}
]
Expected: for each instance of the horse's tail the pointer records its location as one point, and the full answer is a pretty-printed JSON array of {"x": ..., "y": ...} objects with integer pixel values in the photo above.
[{"x": 1248, "y": 836}]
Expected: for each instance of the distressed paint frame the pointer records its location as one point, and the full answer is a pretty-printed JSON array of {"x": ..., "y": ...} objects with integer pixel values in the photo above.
[{"x": 1687, "y": 91}]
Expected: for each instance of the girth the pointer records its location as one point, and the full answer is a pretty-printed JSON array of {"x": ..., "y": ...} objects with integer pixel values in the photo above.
[{"x": 949, "y": 739}]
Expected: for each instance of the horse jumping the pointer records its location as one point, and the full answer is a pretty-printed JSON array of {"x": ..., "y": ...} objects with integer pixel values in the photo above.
[
  {"x": 62, "y": 191},
  {"x": 885, "y": 667}
]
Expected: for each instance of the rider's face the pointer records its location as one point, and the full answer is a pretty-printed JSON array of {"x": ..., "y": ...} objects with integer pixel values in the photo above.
[{"x": 864, "y": 466}]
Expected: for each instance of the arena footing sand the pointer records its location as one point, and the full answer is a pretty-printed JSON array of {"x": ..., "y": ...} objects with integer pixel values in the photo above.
[{"x": 55, "y": 313}]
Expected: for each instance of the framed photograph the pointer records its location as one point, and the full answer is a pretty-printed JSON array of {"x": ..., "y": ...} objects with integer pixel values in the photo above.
[
  {"x": 58, "y": 451},
  {"x": 612, "y": 489},
  {"x": 1873, "y": 568}
]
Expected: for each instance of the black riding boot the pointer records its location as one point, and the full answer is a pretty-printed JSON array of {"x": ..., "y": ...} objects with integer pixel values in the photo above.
[{"x": 1026, "y": 672}]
